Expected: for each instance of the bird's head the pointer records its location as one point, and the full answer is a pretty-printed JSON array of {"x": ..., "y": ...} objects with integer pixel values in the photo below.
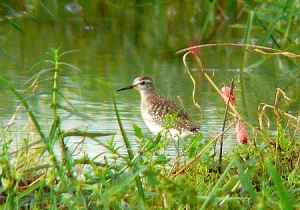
[{"x": 142, "y": 84}]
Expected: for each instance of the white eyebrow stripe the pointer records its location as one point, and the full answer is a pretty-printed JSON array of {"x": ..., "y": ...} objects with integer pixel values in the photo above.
[{"x": 147, "y": 81}]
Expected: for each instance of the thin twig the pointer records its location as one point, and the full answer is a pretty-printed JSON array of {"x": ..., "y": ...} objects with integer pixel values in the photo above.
[
  {"x": 223, "y": 127},
  {"x": 212, "y": 83},
  {"x": 256, "y": 48},
  {"x": 192, "y": 78}
]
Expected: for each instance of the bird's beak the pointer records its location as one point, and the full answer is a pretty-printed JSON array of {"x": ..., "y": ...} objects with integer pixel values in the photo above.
[{"x": 126, "y": 88}]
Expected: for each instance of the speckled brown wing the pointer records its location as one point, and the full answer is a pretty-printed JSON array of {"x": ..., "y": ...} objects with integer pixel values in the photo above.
[{"x": 161, "y": 107}]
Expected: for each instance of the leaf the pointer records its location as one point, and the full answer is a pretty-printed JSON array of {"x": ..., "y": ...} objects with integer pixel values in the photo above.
[
  {"x": 286, "y": 200},
  {"x": 16, "y": 26},
  {"x": 138, "y": 131},
  {"x": 246, "y": 181}
]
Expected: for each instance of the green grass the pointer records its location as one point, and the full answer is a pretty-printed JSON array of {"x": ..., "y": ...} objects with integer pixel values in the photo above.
[
  {"x": 261, "y": 175},
  {"x": 42, "y": 173}
]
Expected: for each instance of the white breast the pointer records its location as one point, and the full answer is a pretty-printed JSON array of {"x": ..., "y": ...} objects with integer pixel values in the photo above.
[{"x": 153, "y": 125}]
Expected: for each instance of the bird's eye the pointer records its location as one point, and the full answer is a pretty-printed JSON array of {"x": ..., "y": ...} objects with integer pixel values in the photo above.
[{"x": 142, "y": 83}]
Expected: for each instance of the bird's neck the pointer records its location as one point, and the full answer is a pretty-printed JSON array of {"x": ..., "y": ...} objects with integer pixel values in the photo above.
[{"x": 146, "y": 95}]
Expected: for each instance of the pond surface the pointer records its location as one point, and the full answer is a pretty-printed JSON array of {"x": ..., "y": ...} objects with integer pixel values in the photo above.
[{"x": 118, "y": 49}]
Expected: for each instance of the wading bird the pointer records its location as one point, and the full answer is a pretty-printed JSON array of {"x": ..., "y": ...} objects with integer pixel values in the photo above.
[{"x": 155, "y": 109}]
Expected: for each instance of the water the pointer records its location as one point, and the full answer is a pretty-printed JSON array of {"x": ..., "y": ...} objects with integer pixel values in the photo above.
[{"x": 118, "y": 49}]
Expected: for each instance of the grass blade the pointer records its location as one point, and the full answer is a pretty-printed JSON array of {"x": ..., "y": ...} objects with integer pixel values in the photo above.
[
  {"x": 286, "y": 201},
  {"x": 21, "y": 98},
  {"x": 214, "y": 189},
  {"x": 129, "y": 151}
]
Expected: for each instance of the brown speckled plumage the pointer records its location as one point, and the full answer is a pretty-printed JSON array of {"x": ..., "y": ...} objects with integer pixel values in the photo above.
[
  {"x": 155, "y": 108},
  {"x": 159, "y": 107}
]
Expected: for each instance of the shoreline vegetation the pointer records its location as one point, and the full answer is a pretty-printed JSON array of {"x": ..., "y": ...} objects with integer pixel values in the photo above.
[{"x": 262, "y": 171}]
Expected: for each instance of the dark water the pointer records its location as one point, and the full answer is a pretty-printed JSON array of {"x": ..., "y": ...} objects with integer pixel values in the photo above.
[{"x": 117, "y": 50}]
